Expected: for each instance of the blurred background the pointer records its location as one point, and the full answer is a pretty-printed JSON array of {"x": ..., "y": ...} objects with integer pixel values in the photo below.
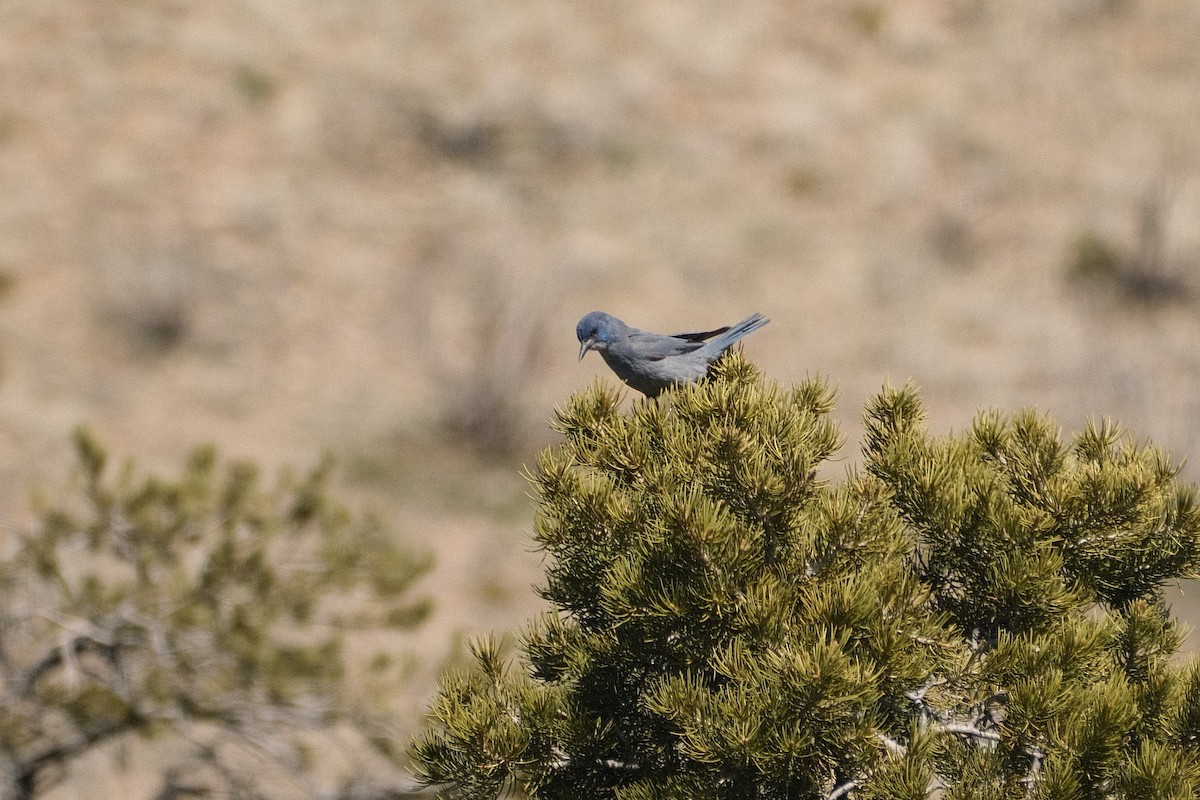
[{"x": 369, "y": 227}]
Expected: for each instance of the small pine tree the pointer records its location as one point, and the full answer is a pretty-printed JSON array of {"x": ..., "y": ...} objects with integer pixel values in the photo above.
[
  {"x": 973, "y": 616},
  {"x": 206, "y": 610}
]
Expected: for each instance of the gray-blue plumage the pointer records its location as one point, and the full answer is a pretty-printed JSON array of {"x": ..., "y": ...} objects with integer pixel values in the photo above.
[{"x": 652, "y": 362}]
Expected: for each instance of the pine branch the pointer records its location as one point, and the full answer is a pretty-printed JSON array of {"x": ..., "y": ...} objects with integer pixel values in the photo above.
[{"x": 165, "y": 603}]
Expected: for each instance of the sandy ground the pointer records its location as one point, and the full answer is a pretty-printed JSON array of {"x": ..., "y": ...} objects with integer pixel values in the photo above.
[{"x": 287, "y": 226}]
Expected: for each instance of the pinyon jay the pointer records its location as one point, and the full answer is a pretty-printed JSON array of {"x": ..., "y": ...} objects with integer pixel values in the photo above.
[{"x": 652, "y": 362}]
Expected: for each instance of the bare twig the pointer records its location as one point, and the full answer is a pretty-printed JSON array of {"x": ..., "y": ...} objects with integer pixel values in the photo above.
[
  {"x": 843, "y": 790},
  {"x": 964, "y": 729}
]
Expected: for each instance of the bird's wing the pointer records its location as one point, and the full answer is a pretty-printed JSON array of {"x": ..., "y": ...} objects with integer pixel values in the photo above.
[
  {"x": 701, "y": 336},
  {"x": 656, "y": 346}
]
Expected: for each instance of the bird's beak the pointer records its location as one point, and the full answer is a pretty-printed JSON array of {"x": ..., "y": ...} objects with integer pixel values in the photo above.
[{"x": 586, "y": 345}]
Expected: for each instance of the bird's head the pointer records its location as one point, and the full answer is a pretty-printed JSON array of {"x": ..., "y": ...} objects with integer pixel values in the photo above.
[{"x": 595, "y": 332}]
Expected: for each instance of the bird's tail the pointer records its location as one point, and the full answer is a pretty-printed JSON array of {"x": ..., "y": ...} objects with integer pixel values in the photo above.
[{"x": 726, "y": 339}]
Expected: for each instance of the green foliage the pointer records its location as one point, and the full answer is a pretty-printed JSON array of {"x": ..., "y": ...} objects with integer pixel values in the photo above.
[
  {"x": 972, "y": 616},
  {"x": 1018, "y": 528},
  {"x": 204, "y": 607}
]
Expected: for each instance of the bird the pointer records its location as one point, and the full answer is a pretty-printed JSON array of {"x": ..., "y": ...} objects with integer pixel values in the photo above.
[{"x": 653, "y": 362}]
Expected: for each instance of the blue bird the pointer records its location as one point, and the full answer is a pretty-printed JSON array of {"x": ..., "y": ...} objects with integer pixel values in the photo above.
[{"x": 652, "y": 362}]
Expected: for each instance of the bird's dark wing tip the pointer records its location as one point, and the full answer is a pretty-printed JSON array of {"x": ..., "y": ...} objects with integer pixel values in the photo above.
[{"x": 700, "y": 336}]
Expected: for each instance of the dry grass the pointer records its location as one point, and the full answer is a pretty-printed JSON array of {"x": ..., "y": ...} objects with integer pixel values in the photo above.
[{"x": 288, "y": 226}]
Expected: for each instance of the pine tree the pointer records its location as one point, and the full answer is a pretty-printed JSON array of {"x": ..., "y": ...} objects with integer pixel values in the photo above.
[
  {"x": 969, "y": 616},
  {"x": 206, "y": 612}
]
